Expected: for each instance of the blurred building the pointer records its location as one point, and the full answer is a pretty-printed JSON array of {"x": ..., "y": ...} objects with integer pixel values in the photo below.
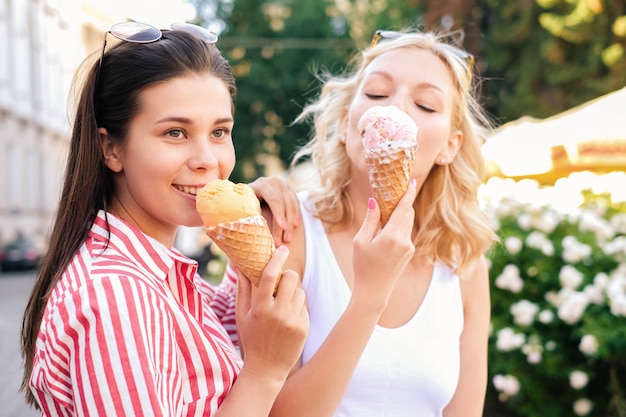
[{"x": 42, "y": 43}]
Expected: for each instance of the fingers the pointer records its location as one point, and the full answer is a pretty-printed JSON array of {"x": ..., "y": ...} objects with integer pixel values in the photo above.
[
  {"x": 244, "y": 293},
  {"x": 280, "y": 230},
  {"x": 288, "y": 218},
  {"x": 370, "y": 224},
  {"x": 287, "y": 288},
  {"x": 404, "y": 208},
  {"x": 283, "y": 204},
  {"x": 272, "y": 271},
  {"x": 402, "y": 214}
]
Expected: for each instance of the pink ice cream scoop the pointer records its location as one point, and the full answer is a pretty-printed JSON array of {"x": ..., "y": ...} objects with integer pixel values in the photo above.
[
  {"x": 380, "y": 125},
  {"x": 390, "y": 141}
]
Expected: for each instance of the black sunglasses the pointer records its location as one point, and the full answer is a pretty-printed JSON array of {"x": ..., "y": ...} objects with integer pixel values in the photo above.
[
  {"x": 463, "y": 55},
  {"x": 138, "y": 32}
]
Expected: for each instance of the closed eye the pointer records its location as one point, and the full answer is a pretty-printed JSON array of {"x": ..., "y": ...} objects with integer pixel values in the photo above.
[
  {"x": 425, "y": 108},
  {"x": 375, "y": 96}
]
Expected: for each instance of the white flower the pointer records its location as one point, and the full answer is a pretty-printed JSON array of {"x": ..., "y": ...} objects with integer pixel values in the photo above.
[
  {"x": 524, "y": 312},
  {"x": 618, "y": 306},
  {"x": 507, "y": 384},
  {"x": 594, "y": 294},
  {"x": 588, "y": 345},
  {"x": 618, "y": 221},
  {"x": 533, "y": 350},
  {"x": 546, "y": 316},
  {"x": 508, "y": 340},
  {"x": 547, "y": 248},
  {"x": 510, "y": 279},
  {"x": 513, "y": 245},
  {"x": 615, "y": 291},
  {"x": 524, "y": 221},
  {"x": 548, "y": 221},
  {"x": 616, "y": 247},
  {"x": 582, "y": 406},
  {"x": 538, "y": 240},
  {"x": 574, "y": 251},
  {"x": 593, "y": 222},
  {"x": 601, "y": 280},
  {"x": 578, "y": 379},
  {"x": 534, "y": 358},
  {"x": 570, "y": 277},
  {"x": 573, "y": 307},
  {"x": 553, "y": 298}
]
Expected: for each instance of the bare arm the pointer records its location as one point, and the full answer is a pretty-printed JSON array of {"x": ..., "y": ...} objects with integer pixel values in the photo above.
[
  {"x": 316, "y": 388},
  {"x": 469, "y": 398},
  {"x": 272, "y": 331}
]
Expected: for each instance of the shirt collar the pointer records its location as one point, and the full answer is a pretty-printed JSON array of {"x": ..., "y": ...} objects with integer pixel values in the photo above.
[{"x": 141, "y": 249}]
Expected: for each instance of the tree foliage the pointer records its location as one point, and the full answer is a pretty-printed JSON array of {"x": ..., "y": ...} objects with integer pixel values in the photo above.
[
  {"x": 534, "y": 57},
  {"x": 545, "y": 56}
]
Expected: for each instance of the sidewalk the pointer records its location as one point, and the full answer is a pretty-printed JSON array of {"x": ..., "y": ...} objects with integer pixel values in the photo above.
[{"x": 14, "y": 291}]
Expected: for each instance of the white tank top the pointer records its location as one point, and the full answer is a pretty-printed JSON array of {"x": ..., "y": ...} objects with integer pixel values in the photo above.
[{"x": 409, "y": 371}]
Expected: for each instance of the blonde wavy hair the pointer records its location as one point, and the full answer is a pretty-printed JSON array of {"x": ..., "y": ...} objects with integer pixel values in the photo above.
[{"x": 457, "y": 232}]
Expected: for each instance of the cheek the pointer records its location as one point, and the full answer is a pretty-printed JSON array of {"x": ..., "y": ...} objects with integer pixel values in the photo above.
[
  {"x": 227, "y": 159},
  {"x": 433, "y": 137}
]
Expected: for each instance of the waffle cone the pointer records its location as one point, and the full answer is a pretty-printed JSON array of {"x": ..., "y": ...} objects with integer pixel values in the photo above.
[
  {"x": 389, "y": 170},
  {"x": 247, "y": 243}
]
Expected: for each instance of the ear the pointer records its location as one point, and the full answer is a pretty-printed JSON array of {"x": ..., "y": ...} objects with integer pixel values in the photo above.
[
  {"x": 110, "y": 151},
  {"x": 446, "y": 156},
  {"x": 343, "y": 128}
]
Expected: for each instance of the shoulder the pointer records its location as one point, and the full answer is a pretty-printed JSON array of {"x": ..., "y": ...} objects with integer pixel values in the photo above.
[{"x": 475, "y": 285}]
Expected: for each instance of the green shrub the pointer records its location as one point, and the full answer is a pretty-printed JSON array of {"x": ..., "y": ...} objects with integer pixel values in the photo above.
[{"x": 558, "y": 290}]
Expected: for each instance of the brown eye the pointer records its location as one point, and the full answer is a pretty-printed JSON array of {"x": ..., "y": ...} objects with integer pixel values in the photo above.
[
  {"x": 220, "y": 133},
  {"x": 176, "y": 133}
]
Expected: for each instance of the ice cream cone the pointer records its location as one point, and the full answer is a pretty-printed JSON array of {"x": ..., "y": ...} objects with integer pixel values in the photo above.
[
  {"x": 247, "y": 243},
  {"x": 389, "y": 170}
]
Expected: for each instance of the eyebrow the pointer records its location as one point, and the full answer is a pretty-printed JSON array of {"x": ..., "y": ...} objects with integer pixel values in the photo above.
[
  {"x": 421, "y": 84},
  {"x": 186, "y": 120}
]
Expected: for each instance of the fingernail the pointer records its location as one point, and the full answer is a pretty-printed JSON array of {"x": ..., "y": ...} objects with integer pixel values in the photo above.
[
  {"x": 283, "y": 248},
  {"x": 413, "y": 182},
  {"x": 371, "y": 203}
]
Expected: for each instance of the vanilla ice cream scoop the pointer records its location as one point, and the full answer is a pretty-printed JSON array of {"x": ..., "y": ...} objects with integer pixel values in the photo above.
[
  {"x": 222, "y": 201},
  {"x": 232, "y": 216},
  {"x": 380, "y": 125}
]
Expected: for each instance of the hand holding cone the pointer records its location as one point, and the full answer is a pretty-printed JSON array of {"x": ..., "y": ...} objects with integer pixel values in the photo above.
[
  {"x": 232, "y": 215},
  {"x": 390, "y": 141}
]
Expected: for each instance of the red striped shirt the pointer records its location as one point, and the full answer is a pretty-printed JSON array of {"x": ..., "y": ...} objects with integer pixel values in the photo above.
[{"x": 132, "y": 330}]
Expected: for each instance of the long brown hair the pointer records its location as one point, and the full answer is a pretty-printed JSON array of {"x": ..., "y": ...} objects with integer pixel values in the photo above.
[{"x": 109, "y": 98}]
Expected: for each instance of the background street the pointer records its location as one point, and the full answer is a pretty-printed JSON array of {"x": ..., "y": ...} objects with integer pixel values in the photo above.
[{"x": 14, "y": 291}]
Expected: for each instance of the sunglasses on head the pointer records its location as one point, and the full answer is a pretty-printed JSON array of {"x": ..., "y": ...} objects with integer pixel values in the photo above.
[
  {"x": 138, "y": 32},
  {"x": 463, "y": 55}
]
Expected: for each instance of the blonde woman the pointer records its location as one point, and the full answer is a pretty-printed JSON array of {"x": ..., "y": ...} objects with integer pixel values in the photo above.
[{"x": 399, "y": 315}]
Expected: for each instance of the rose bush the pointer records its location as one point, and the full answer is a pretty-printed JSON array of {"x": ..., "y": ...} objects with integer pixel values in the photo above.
[{"x": 558, "y": 290}]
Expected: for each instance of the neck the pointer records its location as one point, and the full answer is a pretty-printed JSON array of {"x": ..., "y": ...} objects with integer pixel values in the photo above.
[{"x": 147, "y": 227}]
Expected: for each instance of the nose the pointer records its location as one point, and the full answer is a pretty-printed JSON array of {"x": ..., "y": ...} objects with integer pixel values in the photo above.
[
  {"x": 202, "y": 157},
  {"x": 401, "y": 101}
]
